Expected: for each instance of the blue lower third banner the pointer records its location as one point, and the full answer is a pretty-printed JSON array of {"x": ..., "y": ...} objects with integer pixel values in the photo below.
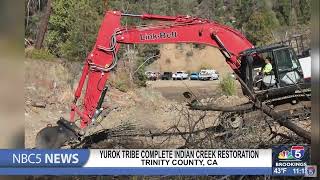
[{"x": 137, "y": 162}]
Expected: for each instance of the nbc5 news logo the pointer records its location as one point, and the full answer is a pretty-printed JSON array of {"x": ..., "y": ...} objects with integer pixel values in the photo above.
[{"x": 295, "y": 153}]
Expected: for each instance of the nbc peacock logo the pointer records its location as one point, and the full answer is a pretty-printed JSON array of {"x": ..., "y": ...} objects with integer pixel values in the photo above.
[
  {"x": 296, "y": 153},
  {"x": 285, "y": 155}
]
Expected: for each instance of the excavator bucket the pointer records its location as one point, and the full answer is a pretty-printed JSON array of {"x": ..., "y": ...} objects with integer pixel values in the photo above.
[{"x": 52, "y": 137}]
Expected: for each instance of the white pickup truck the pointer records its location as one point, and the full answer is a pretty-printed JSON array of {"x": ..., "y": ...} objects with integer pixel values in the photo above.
[
  {"x": 180, "y": 75},
  {"x": 208, "y": 74}
]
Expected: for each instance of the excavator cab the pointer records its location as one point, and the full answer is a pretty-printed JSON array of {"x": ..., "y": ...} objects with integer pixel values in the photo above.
[{"x": 285, "y": 78}]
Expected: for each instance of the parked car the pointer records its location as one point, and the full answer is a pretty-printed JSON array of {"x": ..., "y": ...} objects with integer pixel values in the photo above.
[
  {"x": 194, "y": 76},
  {"x": 166, "y": 76},
  {"x": 208, "y": 74},
  {"x": 151, "y": 75},
  {"x": 180, "y": 75}
]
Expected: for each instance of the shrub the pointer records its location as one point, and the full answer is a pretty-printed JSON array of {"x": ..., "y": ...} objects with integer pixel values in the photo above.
[
  {"x": 121, "y": 80},
  {"x": 189, "y": 53},
  {"x": 179, "y": 47},
  {"x": 228, "y": 86},
  {"x": 140, "y": 78},
  {"x": 199, "y": 46},
  {"x": 38, "y": 54}
]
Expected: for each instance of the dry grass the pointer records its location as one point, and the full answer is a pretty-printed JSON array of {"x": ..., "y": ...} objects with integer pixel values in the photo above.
[
  {"x": 121, "y": 80},
  {"x": 42, "y": 54}
]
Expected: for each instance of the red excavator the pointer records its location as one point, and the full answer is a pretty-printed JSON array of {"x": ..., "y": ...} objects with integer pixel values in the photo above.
[{"x": 284, "y": 84}]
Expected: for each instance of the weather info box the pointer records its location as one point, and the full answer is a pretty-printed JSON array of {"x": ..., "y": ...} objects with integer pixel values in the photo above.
[{"x": 280, "y": 160}]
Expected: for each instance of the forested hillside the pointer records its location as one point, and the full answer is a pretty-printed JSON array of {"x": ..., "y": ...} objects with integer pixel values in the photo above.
[{"x": 73, "y": 24}]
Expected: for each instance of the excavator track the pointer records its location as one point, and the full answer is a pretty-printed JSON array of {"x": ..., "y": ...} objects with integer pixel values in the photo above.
[{"x": 300, "y": 95}]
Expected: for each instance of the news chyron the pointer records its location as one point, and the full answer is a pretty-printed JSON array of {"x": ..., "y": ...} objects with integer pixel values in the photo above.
[
  {"x": 292, "y": 160},
  {"x": 282, "y": 160}
]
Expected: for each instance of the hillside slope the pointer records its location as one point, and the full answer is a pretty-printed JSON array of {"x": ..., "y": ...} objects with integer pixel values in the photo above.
[{"x": 177, "y": 57}]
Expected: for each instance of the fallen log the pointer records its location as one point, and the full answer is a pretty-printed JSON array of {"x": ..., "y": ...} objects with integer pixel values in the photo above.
[
  {"x": 282, "y": 120},
  {"x": 38, "y": 104},
  {"x": 214, "y": 107}
]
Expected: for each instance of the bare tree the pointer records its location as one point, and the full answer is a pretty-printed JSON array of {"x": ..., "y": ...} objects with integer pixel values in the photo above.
[{"x": 43, "y": 26}]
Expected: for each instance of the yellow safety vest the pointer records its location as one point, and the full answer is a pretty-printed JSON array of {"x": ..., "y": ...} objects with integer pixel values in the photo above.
[{"x": 267, "y": 68}]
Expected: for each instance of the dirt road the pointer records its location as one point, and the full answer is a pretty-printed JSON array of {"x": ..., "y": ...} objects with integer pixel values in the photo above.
[{"x": 173, "y": 89}]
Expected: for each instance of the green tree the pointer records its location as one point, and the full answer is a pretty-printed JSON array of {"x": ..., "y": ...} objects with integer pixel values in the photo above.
[
  {"x": 260, "y": 25},
  {"x": 244, "y": 9},
  {"x": 282, "y": 9},
  {"x": 209, "y": 9},
  {"x": 291, "y": 12},
  {"x": 73, "y": 27},
  {"x": 304, "y": 10},
  {"x": 74, "y": 24}
]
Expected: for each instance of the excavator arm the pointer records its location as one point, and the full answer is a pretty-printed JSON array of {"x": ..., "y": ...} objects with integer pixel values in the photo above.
[{"x": 167, "y": 29}]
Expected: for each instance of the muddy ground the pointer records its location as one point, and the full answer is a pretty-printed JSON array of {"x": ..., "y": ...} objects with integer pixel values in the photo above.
[{"x": 151, "y": 117}]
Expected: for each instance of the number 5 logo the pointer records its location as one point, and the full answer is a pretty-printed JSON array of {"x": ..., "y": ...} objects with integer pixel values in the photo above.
[
  {"x": 297, "y": 154},
  {"x": 297, "y": 151}
]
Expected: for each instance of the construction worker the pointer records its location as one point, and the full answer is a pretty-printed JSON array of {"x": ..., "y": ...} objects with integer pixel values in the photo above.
[
  {"x": 268, "y": 66},
  {"x": 267, "y": 69}
]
